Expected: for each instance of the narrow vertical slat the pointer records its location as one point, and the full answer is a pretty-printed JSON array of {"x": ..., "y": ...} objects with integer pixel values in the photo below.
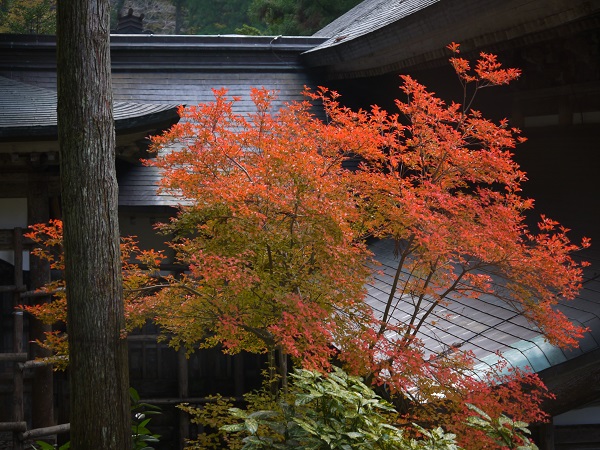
[
  {"x": 547, "y": 435},
  {"x": 183, "y": 391},
  {"x": 238, "y": 375},
  {"x": 18, "y": 413}
]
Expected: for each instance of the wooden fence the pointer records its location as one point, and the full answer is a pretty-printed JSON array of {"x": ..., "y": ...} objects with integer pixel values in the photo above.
[{"x": 19, "y": 356}]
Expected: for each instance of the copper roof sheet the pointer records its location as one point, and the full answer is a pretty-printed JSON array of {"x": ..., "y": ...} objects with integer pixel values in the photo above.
[{"x": 488, "y": 326}]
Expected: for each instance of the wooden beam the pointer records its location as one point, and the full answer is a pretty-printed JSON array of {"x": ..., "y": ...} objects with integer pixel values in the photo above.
[
  {"x": 10, "y": 288},
  {"x": 13, "y": 426},
  {"x": 142, "y": 337},
  {"x": 7, "y": 240},
  {"x": 14, "y": 357},
  {"x": 191, "y": 400},
  {"x": 547, "y": 436},
  {"x": 46, "y": 431},
  {"x": 579, "y": 436}
]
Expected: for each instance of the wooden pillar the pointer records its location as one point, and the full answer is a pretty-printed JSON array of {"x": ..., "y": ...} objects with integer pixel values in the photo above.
[
  {"x": 238, "y": 374},
  {"x": 183, "y": 392},
  {"x": 565, "y": 111},
  {"x": 42, "y": 389},
  {"x": 547, "y": 436},
  {"x": 18, "y": 413}
]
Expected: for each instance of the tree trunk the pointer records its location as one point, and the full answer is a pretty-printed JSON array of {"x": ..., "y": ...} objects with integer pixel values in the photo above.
[
  {"x": 283, "y": 370},
  {"x": 99, "y": 402},
  {"x": 178, "y": 15},
  {"x": 273, "y": 381}
]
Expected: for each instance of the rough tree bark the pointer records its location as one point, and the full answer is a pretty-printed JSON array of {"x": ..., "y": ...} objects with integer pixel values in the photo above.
[{"x": 99, "y": 402}]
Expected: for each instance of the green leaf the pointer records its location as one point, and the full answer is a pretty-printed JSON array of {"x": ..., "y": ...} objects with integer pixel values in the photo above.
[
  {"x": 148, "y": 438},
  {"x": 354, "y": 435},
  {"x": 480, "y": 412},
  {"x": 133, "y": 394},
  {"x": 238, "y": 413},
  {"x": 251, "y": 425},
  {"x": 233, "y": 428},
  {"x": 260, "y": 415}
]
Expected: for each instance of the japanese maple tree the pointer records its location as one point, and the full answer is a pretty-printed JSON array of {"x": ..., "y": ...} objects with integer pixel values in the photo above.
[
  {"x": 277, "y": 227},
  {"x": 272, "y": 231}
]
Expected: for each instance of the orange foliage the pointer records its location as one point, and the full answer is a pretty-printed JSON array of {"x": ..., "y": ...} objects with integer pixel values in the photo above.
[{"x": 272, "y": 230}]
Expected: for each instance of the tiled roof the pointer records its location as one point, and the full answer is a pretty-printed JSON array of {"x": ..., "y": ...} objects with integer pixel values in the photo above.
[{"x": 487, "y": 326}]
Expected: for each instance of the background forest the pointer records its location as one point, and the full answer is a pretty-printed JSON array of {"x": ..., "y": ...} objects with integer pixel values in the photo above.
[{"x": 255, "y": 17}]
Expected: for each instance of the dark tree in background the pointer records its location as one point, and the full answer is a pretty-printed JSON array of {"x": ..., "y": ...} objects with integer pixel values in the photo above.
[
  {"x": 28, "y": 16},
  {"x": 216, "y": 17},
  {"x": 99, "y": 402},
  {"x": 297, "y": 17},
  {"x": 267, "y": 17}
]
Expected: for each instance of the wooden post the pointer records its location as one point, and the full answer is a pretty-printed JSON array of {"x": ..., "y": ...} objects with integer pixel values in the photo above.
[
  {"x": 42, "y": 414},
  {"x": 183, "y": 391},
  {"x": 565, "y": 111},
  {"x": 283, "y": 369},
  {"x": 238, "y": 375},
  {"x": 18, "y": 413},
  {"x": 547, "y": 436}
]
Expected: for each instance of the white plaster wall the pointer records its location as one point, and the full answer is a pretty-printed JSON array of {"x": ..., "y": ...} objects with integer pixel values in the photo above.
[
  {"x": 13, "y": 213},
  {"x": 587, "y": 415}
]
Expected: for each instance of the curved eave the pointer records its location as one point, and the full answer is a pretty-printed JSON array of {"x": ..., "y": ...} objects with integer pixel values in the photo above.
[
  {"x": 150, "y": 121},
  {"x": 144, "y": 116},
  {"x": 574, "y": 383},
  {"x": 28, "y": 113}
]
